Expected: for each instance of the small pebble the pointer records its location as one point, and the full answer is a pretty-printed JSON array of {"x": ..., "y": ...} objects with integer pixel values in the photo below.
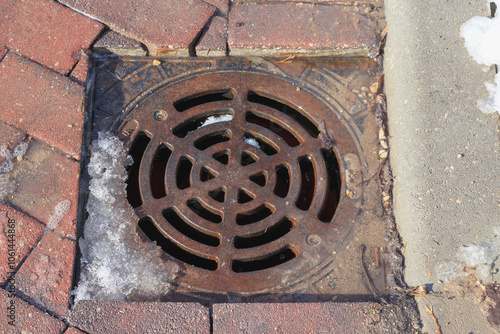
[
  {"x": 382, "y": 154},
  {"x": 460, "y": 155}
]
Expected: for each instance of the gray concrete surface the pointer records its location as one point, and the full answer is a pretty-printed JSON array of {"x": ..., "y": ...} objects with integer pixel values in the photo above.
[{"x": 444, "y": 150}]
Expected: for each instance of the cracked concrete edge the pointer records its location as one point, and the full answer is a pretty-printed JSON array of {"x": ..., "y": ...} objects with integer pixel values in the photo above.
[{"x": 444, "y": 150}]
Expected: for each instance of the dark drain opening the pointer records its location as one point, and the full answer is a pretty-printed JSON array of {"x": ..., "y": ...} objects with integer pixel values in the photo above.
[
  {"x": 334, "y": 186},
  {"x": 268, "y": 235},
  {"x": 264, "y": 144},
  {"x": 222, "y": 157},
  {"x": 307, "y": 186},
  {"x": 204, "y": 97},
  {"x": 259, "y": 178},
  {"x": 268, "y": 122},
  {"x": 248, "y": 158},
  {"x": 168, "y": 246},
  {"x": 203, "y": 212},
  {"x": 264, "y": 262},
  {"x": 277, "y": 104},
  {"x": 282, "y": 185},
  {"x": 137, "y": 150},
  {"x": 182, "y": 225},
  {"x": 207, "y": 174},
  {"x": 259, "y": 213},
  {"x": 159, "y": 166},
  {"x": 184, "y": 173},
  {"x": 218, "y": 194},
  {"x": 212, "y": 138},
  {"x": 197, "y": 121},
  {"x": 244, "y": 196}
]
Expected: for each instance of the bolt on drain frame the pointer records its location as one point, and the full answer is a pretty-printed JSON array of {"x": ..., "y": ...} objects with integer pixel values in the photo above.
[{"x": 247, "y": 175}]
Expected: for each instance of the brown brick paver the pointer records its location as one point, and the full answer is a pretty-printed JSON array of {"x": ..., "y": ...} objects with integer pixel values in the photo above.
[
  {"x": 46, "y": 32},
  {"x": 45, "y": 178},
  {"x": 3, "y": 51},
  {"x": 10, "y": 136},
  {"x": 28, "y": 318},
  {"x": 167, "y": 24},
  {"x": 45, "y": 276},
  {"x": 41, "y": 102},
  {"x": 23, "y": 234},
  {"x": 280, "y": 28},
  {"x": 214, "y": 41},
  {"x": 291, "y": 318},
  {"x": 73, "y": 330},
  {"x": 107, "y": 317},
  {"x": 113, "y": 42}
]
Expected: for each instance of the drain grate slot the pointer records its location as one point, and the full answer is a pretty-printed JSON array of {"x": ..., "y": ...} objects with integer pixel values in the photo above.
[
  {"x": 259, "y": 213},
  {"x": 147, "y": 226},
  {"x": 268, "y": 235},
  {"x": 212, "y": 139},
  {"x": 248, "y": 158},
  {"x": 158, "y": 168},
  {"x": 261, "y": 142},
  {"x": 272, "y": 124},
  {"x": 204, "y": 97},
  {"x": 137, "y": 150},
  {"x": 182, "y": 225},
  {"x": 264, "y": 262},
  {"x": 276, "y": 103},
  {"x": 282, "y": 186},
  {"x": 201, "y": 210},
  {"x": 307, "y": 186},
  {"x": 334, "y": 186},
  {"x": 199, "y": 121},
  {"x": 207, "y": 174},
  {"x": 184, "y": 173}
]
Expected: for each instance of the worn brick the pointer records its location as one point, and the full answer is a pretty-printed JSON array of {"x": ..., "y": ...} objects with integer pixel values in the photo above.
[
  {"x": 10, "y": 137},
  {"x": 28, "y": 319},
  {"x": 113, "y": 42},
  {"x": 3, "y": 51},
  {"x": 26, "y": 232},
  {"x": 107, "y": 317},
  {"x": 73, "y": 330},
  {"x": 79, "y": 73},
  {"x": 46, "y": 32},
  {"x": 214, "y": 41},
  {"x": 41, "y": 102},
  {"x": 45, "y": 277},
  {"x": 292, "y": 318},
  {"x": 43, "y": 179},
  {"x": 222, "y": 5},
  {"x": 315, "y": 1},
  {"x": 283, "y": 28},
  {"x": 166, "y": 24}
]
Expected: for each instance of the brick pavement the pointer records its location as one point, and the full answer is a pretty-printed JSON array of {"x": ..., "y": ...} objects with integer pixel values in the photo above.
[{"x": 44, "y": 58}]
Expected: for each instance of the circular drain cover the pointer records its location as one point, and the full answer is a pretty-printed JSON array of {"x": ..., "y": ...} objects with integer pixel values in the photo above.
[{"x": 236, "y": 176}]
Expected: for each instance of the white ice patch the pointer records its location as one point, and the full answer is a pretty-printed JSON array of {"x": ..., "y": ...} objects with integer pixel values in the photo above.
[
  {"x": 217, "y": 119},
  {"x": 252, "y": 142},
  {"x": 61, "y": 210},
  {"x": 116, "y": 264},
  {"x": 6, "y": 184},
  {"x": 481, "y": 39}
]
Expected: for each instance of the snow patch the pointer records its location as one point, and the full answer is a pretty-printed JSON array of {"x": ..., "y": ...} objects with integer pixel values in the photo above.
[
  {"x": 217, "y": 119},
  {"x": 252, "y": 142},
  {"x": 481, "y": 39},
  {"x": 61, "y": 210},
  {"x": 116, "y": 264}
]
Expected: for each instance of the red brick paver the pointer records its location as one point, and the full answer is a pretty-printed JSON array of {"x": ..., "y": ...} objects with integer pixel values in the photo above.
[
  {"x": 113, "y": 42},
  {"x": 79, "y": 73},
  {"x": 281, "y": 28},
  {"x": 222, "y": 5},
  {"x": 28, "y": 319},
  {"x": 10, "y": 136},
  {"x": 45, "y": 277},
  {"x": 3, "y": 51},
  {"x": 44, "y": 178},
  {"x": 46, "y": 32},
  {"x": 214, "y": 41},
  {"x": 73, "y": 330},
  {"x": 41, "y": 102},
  {"x": 25, "y": 231},
  {"x": 167, "y": 24},
  {"x": 291, "y": 318},
  {"x": 107, "y": 317}
]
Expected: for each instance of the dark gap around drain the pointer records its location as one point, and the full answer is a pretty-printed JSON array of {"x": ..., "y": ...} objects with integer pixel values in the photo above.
[
  {"x": 206, "y": 174},
  {"x": 274, "y": 102},
  {"x": 137, "y": 150},
  {"x": 334, "y": 187},
  {"x": 244, "y": 196},
  {"x": 261, "y": 212},
  {"x": 263, "y": 262},
  {"x": 262, "y": 120},
  {"x": 197, "y": 121},
  {"x": 158, "y": 169},
  {"x": 183, "y": 174},
  {"x": 308, "y": 181},
  {"x": 184, "y": 227},
  {"x": 204, "y": 97},
  {"x": 203, "y": 212},
  {"x": 263, "y": 144},
  {"x": 282, "y": 185},
  {"x": 212, "y": 139},
  {"x": 270, "y": 234},
  {"x": 168, "y": 246}
]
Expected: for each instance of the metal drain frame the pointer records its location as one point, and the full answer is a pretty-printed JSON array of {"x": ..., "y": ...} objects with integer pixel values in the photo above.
[{"x": 340, "y": 129}]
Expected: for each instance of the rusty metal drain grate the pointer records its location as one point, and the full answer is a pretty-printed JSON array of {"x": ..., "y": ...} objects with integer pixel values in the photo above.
[{"x": 247, "y": 176}]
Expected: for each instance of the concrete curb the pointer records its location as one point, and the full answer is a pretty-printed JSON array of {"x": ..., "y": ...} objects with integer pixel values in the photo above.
[{"x": 444, "y": 151}]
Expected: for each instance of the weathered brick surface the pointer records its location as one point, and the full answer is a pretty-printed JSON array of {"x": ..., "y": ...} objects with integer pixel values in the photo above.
[
  {"x": 28, "y": 319},
  {"x": 280, "y": 28},
  {"x": 25, "y": 231},
  {"x": 167, "y": 24},
  {"x": 291, "y": 318},
  {"x": 46, "y": 32},
  {"x": 106, "y": 317},
  {"x": 41, "y": 102},
  {"x": 9, "y": 136},
  {"x": 315, "y": 1},
  {"x": 214, "y": 41},
  {"x": 115, "y": 43},
  {"x": 43, "y": 179},
  {"x": 73, "y": 330},
  {"x": 3, "y": 51},
  {"x": 79, "y": 73},
  {"x": 222, "y": 5},
  {"x": 45, "y": 276}
]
